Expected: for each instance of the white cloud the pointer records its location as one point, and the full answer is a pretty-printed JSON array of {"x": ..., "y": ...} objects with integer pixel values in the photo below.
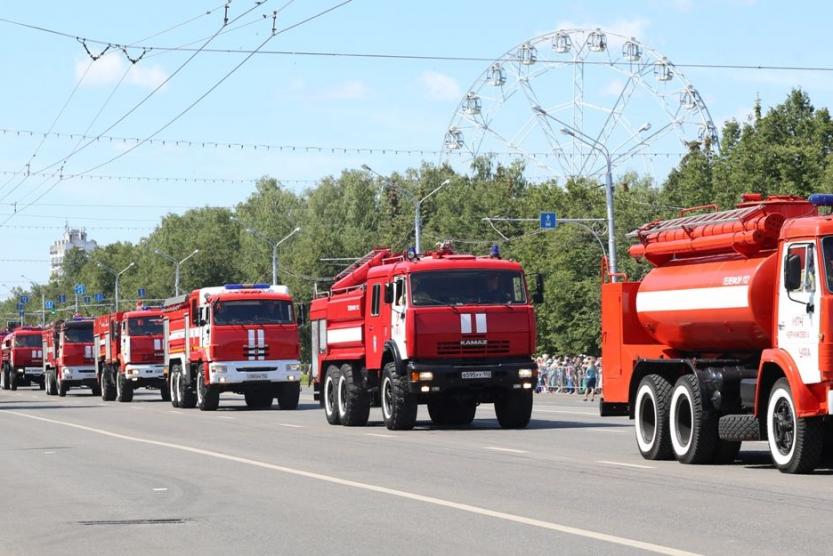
[
  {"x": 348, "y": 90},
  {"x": 440, "y": 86},
  {"x": 110, "y": 68}
]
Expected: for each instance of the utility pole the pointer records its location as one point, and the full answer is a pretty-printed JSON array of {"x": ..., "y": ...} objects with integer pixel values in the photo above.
[
  {"x": 275, "y": 246},
  {"x": 177, "y": 264}
]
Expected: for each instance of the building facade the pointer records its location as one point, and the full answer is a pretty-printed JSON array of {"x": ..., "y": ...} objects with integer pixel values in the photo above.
[{"x": 72, "y": 238}]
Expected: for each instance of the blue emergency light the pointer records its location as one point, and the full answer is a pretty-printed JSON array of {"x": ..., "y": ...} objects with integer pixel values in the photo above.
[
  {"x": 821, "y": 199},
  {"x": 494, "y": 252},
  {"x": 246, "y": 286}
]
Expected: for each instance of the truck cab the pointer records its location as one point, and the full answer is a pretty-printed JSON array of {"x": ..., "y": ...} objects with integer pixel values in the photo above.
[
  {"x": 22, "y": 356},
  {"x": 68, "y": 356}
]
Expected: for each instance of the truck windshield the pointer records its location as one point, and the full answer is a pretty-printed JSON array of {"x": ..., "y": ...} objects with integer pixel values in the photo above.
[
  {"x": 827, "y": 248},
  {"x": 145, "y": 326},
  {"x": 28, "y": 341},
  {"x": 78, "y": 334},
  {"x": 255, "y": 311},
  {"x": 467, "y": 287}
]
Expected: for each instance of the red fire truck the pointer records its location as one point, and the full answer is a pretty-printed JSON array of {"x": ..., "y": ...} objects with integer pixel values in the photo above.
[
  {"x": 68, "y": 357},
  {"x": 729, "y": 337},
  {"x": 129, "y": 353},
  {"x": 444, "y": 329},
  {"x": 22, "y": 358},
  {"x": 232, "y": 338}
]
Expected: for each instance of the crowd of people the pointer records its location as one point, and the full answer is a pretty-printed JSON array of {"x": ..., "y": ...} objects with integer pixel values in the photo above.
[{"x": 570, "y": 374}]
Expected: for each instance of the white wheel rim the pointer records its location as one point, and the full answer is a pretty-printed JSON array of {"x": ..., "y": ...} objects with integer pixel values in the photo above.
[
  {"x": 385, "y": 389},
  {"x": 342, "y": 405},
  {"x": 679, "y": 399},
  {"x": 171, "y": 387},
  {"x": 328, "y": 393},
  {"x": 777, "y": 456},
  {"x": 645, "y": 445}
]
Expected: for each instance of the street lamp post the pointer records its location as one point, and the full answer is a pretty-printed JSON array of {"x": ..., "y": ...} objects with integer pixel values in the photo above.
[
  {"x": 42, "y": 300},
  {"x": 118, "y": 276},
  {"x": 275, "y": 246},
  {"x": 177, "y": 264}
]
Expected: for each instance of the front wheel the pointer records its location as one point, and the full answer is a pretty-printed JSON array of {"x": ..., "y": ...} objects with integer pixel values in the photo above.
[
  {"x": 288, "y": 395},
  {"x": 515, "y": 409},
  {"x": 795, "y": 442},
  {"x": 4, "y": 378},
  {"x": 63, "y": 388},
  {"x": 208, "y": 397},
  {"x": 124, "y": 389},
  {"x": 13, "y": 380},
  {"x": 399, "y": 406}
]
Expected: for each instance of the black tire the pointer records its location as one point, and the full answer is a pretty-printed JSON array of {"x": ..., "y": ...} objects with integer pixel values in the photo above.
[
  {"x": 353, "y": 399},
  {"x": 124, "y": 388},
  {"x": 165, "y": 391},
  {"x": 41, "y": 383},
  {"x": 4, "y": 378},
  {"x": 96, "y": 390},
  {"x": 13, "y": 380},
  {"x": 63, "y": 388},
  {"x": 451, "y": 412},
  {"x": 329, "y": 395},
  {"x": 399, "y": 406},
  {"x": 51, "y": 384},
  {"x": 173, "y": 385},
  {"x": 258, "y": 399},
  {"x": 208, "y": 396},
  {"x": 108, "y": 389},
  {"x": 827, "y": 450},
  {"x": 187, "y": 395},
  {"x": 288, "y": 395},
  {"x": 692, "y": 426},
  {"x": 795, "y": 443},
  {"x": 652, "y": 403},
  {"x": 514, "y": 410},
  {"x": 739, "y": 427}
]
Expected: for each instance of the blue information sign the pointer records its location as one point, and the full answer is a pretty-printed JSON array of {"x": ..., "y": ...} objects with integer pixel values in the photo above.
[
  {"x": 49, "y": 304},
  {"x": 142, "y": 292},
  {"x": 99, "y": 297},
  {"x": 548, "y": 220},
  {"x": 62, "y": 298},
  {"x": 24, "y": 299},
  {"x": 80, "y": 289}
]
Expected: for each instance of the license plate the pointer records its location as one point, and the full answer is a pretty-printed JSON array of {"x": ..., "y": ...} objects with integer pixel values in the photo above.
[
  {"x": 476, "y": 374},
  {"x": 256, "y": 376}
]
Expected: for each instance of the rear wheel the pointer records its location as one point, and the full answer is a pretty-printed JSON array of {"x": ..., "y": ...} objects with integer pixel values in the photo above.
[
  {"x": 52, "y": 384},
  {"x": 653, "y": 398},
  {"x": 13, "y": 379},
  {"x": 165, "y": 391},
  {"x": 4, "y": 378},
  {"x": 187, "y": 396},
  {"x": 353, "y": 399},
  {"x": 124, "y": 389},
  {"x": 208, "y": 397},
  {"x": 515, "y": 409},
  {"x": 795, "y": 443},
  {"x": 108, "y": 389},
  {"x": 399, "y": 406},
  {"x": 693, "y": 429},
  {"x": 330, "y": 394},
  {"x": 63, "y": 387},
  {"x": 451, "y": 412},
  {"x": 173, "y": 386},
  {"x": 258, "y": 399},
  {"x": 288, "y": 395}
]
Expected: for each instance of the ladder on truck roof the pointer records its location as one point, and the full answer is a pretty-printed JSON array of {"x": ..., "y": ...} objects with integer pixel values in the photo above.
[
  {"x": 357, "y": 264},
  {"x": 690, "y": 222}
]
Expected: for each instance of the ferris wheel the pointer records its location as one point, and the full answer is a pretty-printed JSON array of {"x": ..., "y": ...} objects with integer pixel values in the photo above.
[{"x": 567, "y": 101}]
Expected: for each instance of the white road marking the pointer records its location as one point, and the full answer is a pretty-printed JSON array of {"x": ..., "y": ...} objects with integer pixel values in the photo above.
[
  {"x": 48, "y": 453},
  {"x": 175, "y": 412},
  {"x": 160, "y": 490},
  {"x": 380, "y": 435},
  {"x": 290, "y": 425},
  {"x": 514, "y": 518},
  {"x": 634, "y": 465},
  {"x": 510, "y": 450},
  {"x": 225, "y": 417}
]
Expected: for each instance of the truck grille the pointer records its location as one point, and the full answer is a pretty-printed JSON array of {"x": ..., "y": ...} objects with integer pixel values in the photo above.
[
  {"x": 255, "y": 352},
  {"x": 456, "y": 348}
]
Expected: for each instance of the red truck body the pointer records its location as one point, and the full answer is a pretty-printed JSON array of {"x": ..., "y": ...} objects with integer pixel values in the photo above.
[
  {"x": 69, "y": 360},
  {"x": 444, "y": 329},
  {"x": 729, "y": 337},
  {"x": 129, "y": 353},
  {"x": 22, "y": 358},
  {"x": 234, "y": 338}
]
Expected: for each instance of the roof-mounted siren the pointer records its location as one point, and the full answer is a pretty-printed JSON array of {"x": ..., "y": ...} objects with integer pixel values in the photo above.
[
  {"x": 597, "y": 41},
  {"x": 497, "y": 75},
  {"x": 821, "y": 199},
  {"x": 663, "y": 70},
  {"x": 454, "y": 139},
  {"x": 631, "y": 50},
  {"x": 527, "y": 54},
  {"x": 690, "y": 98},
  {"x": 562, "y": 43},
  {"x": 471, "y": 105}
]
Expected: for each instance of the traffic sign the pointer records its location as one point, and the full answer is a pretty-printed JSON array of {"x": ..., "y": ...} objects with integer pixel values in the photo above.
[
  {"x": 80, "y": 289},
  {"x": 62, "y": 298},
  {"x": 87, "y": 300},
  {"x": 49, "y": 304},
  {"x": 20, "y": 307},
  {"x": 99, "y": 297},
  {"x": 142, "y": 292},
  {"x": 548, "y": 220},
  {"x": 24, "y": 299}
]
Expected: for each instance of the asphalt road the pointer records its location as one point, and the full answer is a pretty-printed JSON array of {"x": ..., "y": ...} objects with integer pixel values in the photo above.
[{"x": 78, "y": 475}]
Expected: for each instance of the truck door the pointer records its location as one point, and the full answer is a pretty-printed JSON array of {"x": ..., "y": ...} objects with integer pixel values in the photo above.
[
  {"x": 798, "y": 310},
  {"x": 397, "y": 315},
  {"x": 375, "y": 326}
]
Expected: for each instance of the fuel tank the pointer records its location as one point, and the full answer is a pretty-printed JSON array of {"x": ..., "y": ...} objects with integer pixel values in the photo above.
[{"x": 714, "y": 305}]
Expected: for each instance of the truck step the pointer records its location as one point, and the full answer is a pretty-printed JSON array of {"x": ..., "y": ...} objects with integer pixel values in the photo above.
[{"x": 739, "y": 427}]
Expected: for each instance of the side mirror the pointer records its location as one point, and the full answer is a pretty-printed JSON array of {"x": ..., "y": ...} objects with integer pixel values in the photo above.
[
  {"x": 537, "y": 297},
  {"x": 538, "y": 293},
  {"x": 792, "y": 273},
  {"x": 300, "y": 314},
  {"x": 388, "y": 293}
]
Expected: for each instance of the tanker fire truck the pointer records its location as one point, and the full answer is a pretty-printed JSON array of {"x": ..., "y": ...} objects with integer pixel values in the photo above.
[
  {"x": 444, "y": 329},
  {"x": 68, "y": 360},
  {"x": 729, "y": 337},
  {"x": 129, "y": 353},
  {"x": 232, "y": 338},
  {"x": 22, "y": 358}
]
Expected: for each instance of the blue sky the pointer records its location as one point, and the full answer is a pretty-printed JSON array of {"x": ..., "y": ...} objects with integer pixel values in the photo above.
[{"x": 324, "y": 101}]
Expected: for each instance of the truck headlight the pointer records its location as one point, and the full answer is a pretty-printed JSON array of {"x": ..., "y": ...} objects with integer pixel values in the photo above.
[
  {"x": 426, "y": 375},
  {"x": 293, "y": 367},
  {"x": 524, "y": 373},
  {"x": 218, "y": 369}
]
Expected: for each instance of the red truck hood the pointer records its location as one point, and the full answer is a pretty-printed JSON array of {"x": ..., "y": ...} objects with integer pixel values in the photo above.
[
  {"x": 244, "y": 342},
  {"x": 27, "y": 356},
  {"x": 472, "y": 332},
  {"x": 146, "y": 349},
  {"x": 77, "y": 354}
]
